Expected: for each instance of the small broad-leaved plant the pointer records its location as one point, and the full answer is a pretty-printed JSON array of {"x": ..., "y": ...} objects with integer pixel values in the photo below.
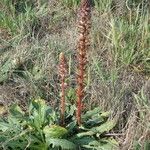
[{"x": 39, "y": 129}]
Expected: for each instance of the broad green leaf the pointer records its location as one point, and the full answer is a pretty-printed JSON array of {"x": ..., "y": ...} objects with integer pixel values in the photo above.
[
  {"x": 16, "y": 121},
  {"x": 70, "y": 110},
  {"x": 88, "y": 133},
  {"x": 38, "y": 104},
  {"x": 90, "y": 113},
  {"x": 51, "y": 116},
  {"x": 16, "y": 111},
  {"x": 17, "y": 144},
  {"x": 71, "y": 94},
  {"x": 71, "y": 126},
  {"x": 92, "y": 144},
  {"x": 37, "y": 120},
  {"x": 63, "y": 143},
  {"x": 54, "y": 131},
  {"x": 110, "y": 140},
  {"x": 105, "y": 127},
  {"x": 100, "y": 147},
  {"x": 105, "y": 114},
  {"x": 82, "y": 141},
  {"x": 4, "y": 126},
  {"x": 103, "y": 144},
  {"x": 94, "y": 121},
  {"x": 38, "y": 111},
  {"x": 38, "y": 145}
]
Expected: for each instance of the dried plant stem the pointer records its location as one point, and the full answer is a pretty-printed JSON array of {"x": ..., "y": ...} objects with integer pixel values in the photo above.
[
  {"x": 82, "y": 47},
  {"x": 63, "y": 102},
  {"x": 62, "y": 73}
]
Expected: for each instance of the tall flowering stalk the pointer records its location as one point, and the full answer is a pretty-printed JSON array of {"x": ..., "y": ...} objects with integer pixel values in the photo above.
[
  {"x": 63, "y": 73},
  {"x": 84, "y": 23}
]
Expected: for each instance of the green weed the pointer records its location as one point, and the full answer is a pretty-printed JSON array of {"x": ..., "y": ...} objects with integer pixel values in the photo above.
[{"x": 39, "y": 127}]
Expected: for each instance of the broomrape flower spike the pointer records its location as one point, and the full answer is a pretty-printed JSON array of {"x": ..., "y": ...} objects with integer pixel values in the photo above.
[
  {"x": 63, "y": 73},
  {"x": 84, "y": 17}
]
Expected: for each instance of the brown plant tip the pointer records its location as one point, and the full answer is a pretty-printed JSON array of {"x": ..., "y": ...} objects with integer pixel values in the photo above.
[
  {"x": 62, "y": 65},
  {"x": 63, "y": 73},
  {"x": 84, "y": 23}
]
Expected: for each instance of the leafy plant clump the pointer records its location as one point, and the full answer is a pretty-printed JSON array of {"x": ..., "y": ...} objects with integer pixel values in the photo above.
[{"x": 39, "y": 128}]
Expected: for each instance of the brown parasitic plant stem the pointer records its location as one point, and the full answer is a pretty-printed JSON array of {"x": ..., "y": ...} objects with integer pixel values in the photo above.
[
  {"x": 84, "y": 17},
  {"x": 63, "y": 73}
]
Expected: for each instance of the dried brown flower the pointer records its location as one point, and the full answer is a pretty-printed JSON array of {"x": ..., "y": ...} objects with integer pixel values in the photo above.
[
  {"x": 63, "y": 73},
  {"x": 82, "y": 47}
]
